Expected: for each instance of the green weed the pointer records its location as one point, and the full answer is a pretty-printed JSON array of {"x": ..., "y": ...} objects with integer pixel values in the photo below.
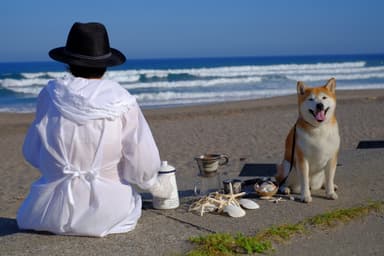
[
  {"x": 227, "y": 244},
  {"x": 332, "y": 218},
  {"x": 223, "y": 244}
]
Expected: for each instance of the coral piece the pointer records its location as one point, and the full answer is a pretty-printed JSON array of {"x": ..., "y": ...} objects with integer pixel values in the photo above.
[{"x": 216, "y": 202}]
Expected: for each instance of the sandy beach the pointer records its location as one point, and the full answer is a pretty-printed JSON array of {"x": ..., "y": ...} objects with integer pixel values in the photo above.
[{"x": 251, "y": 130}]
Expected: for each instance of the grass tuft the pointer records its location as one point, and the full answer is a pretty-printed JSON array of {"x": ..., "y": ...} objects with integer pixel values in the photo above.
[
  {"x": 281, "y": 233},
  {"x": 331, "y": 219},
  {"x": 224, "y": 244}
]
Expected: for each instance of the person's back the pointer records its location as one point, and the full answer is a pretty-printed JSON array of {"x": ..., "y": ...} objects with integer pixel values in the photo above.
[{"x": 90, "y": 141}]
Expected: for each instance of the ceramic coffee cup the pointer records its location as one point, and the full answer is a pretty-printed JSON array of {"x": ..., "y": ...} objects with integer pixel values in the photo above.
[{"x": 209, "y": 163}]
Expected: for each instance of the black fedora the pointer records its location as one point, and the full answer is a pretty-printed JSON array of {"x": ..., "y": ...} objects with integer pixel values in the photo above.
[{"x": 88, "y": 46}]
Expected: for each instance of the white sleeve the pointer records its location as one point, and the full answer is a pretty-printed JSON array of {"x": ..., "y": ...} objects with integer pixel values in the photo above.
[
  {"x": 140, "y": 157},
  {"x": 32, "y": 141}
]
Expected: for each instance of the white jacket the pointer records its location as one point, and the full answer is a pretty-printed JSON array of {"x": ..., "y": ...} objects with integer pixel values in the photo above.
[{"x": 90, "y": 142}]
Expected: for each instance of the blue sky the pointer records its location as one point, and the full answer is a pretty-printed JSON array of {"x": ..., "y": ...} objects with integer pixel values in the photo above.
[{"x": 197, "y": 28}]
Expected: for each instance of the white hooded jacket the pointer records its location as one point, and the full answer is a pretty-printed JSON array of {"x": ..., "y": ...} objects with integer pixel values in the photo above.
[{"x": 90, "y": 142}]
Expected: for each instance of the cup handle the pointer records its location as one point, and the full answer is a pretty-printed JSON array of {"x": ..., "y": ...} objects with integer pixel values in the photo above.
[{"x": 225, "y": 159}]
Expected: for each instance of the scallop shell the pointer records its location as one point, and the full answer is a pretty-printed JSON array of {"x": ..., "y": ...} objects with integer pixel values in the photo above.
[
  {"x": 249, "y": 204},
  {"x": 234, "y": 211}
]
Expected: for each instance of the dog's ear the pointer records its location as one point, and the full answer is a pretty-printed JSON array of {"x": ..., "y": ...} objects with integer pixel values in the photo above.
[
  {"x": 331, "y": 85},
  {"x": 301, "y": 88}
]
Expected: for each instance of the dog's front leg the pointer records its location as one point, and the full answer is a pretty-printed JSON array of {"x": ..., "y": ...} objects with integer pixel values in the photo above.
[
  {"x": 303, "y": 168},
  {"x": 330, "y": 171}
]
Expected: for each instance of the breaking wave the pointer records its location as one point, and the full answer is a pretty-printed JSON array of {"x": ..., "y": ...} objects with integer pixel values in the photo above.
[{"x": 202, "y": 84}]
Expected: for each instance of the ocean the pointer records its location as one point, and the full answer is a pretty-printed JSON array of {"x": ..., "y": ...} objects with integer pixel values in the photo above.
[{"x": 176, "y": 82}]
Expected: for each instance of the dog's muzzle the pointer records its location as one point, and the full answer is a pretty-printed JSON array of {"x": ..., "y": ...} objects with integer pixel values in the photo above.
[{"x": 319, "y": 114}]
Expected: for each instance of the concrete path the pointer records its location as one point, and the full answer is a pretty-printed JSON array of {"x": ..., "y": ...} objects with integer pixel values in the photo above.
[{"x": 360, "y": 178}]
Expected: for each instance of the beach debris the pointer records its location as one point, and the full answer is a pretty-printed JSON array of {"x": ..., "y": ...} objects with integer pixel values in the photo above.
[
  {"x": 234, "y": 210},
  {"x": 276, "y": 200},
  {"x": 266, "y": 189},
  {"x": 219, "y": 202},
  {"x": 204, "y": 205},
  {"x": 248, "y": 204}
]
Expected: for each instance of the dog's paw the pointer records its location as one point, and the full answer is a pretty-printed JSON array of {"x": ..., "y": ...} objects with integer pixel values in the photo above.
[
  {"x": 306, "y": 199},
  {"x": 284, "y": 190},
  {"x": 332, "y": 196},
  {"x": 334, "y": 185}
]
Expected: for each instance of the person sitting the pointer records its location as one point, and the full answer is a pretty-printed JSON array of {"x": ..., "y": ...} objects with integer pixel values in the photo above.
[{"x": 91, "y": 143}]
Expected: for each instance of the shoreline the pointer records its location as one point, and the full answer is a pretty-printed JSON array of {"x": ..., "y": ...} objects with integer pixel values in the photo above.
[{"x": 274, "y": 101}]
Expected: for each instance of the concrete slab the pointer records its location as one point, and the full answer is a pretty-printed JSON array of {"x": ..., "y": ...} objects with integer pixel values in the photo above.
[{"x": 165, "y": 232}]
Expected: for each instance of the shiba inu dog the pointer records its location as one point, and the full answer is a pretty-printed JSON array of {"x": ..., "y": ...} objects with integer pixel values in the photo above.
[{"x": 312, "y": 145}]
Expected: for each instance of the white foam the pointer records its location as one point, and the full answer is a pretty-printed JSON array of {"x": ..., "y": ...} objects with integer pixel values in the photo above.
[
  {"x": 340, "y": 76},
  {"x": 18, "y": 109},
  {"x": 254, "y": 70},
  {"x": 360, "y": 87},
  {"x": 123, "y": 77},
  {"x": 194, "y": 83},
  {"x": 43, "y": 74},
  {"x": 169, "y": 98},
  {"x": 176, "y": 98},
  {"x": 33, "y": 75},
  {"x": 209, "y": 76},
  {"x": 14, "y": 83},
  {"x": 56, "y": 75},
  {"x": 219, "y": 83}
]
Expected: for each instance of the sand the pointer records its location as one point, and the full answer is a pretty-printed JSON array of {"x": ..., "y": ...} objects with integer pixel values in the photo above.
[{"x": 251, "y": 130}]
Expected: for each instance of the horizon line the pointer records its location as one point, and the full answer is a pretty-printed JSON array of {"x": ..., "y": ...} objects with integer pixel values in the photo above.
[{"x": 218, "y": 57}]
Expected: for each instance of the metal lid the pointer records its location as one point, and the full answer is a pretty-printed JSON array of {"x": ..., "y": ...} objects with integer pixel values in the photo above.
[{"x": 165, "y": 168}]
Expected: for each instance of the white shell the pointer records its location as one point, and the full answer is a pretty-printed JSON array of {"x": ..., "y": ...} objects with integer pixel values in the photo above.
[
  {"x": 249, "y": 204},
  {"x": 208, "y": 207},
  {"x": 234, "y": 211},
  {"x": 265, "y": 187}
]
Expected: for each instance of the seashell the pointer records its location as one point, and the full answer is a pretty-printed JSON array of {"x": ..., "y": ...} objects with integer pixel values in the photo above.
[
  {"x": 266, "y": 189},
  {"x": 234, "y": 211},
  {"x": 249, "y": 204},
  {"x": 209, "y": 207}
]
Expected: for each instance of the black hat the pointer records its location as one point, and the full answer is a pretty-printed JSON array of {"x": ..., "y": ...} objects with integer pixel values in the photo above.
[{"x": 88, "y": 46}]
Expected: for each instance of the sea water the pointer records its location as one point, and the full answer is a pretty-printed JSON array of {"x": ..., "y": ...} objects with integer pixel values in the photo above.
[{"x": 174, "y": 82}]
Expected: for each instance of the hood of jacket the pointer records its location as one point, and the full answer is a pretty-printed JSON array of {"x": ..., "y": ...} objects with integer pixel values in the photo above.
[{"x": 80, "y": 99}]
